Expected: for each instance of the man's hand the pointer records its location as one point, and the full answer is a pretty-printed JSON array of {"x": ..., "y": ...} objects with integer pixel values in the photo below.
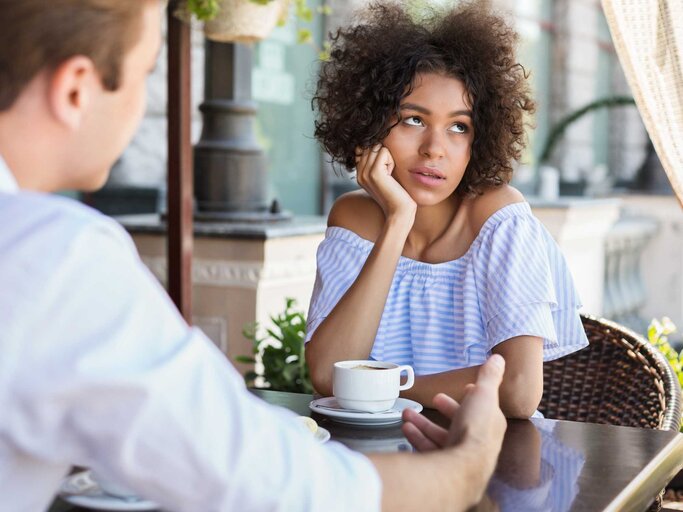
[
  {"x": 455, "y": 477},
  {"x": 477, "y": 421}
]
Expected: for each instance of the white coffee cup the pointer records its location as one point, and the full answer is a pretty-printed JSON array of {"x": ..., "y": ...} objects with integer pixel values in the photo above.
[
  {"x": 112, "y": 487},
  {"x": 371, "y": 386}
]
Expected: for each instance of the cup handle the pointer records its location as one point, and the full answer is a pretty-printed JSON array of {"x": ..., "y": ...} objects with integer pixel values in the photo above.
[{"x": 411, "y": 376}]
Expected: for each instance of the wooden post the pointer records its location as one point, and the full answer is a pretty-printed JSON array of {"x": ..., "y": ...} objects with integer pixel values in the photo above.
[{"x": 180, "y": 231}]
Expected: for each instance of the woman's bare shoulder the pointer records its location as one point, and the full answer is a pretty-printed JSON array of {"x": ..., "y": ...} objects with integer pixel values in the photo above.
[
  {"x": 357, "y": 212},
  {"x": 481, "y": 207}
]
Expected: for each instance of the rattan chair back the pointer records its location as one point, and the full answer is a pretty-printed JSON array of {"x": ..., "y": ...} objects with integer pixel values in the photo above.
[{"x": 619, "y": 379}]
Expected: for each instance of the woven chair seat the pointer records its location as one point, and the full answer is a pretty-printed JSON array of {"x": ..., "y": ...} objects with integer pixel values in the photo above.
[{"x": 619, "y": 379}]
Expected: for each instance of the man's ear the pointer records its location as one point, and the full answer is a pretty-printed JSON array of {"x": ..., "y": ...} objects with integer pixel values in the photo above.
[{"x": 72, "y": 86}]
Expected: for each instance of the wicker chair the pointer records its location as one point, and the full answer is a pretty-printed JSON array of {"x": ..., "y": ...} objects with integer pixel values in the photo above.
[{"x": 619, "y": 379}]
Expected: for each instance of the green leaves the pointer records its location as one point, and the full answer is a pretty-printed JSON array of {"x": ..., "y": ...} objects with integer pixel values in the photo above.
[
  {"x": 658, "y": 334},
  {"x": 304, "y": 36},
  {"x": 303, "y": 11},
  {"x": 559, "y": 128},
  {"x": 281, "y": 353},
  {"x": 204, "y": 10},
  {"x": 324, "y": 54}
]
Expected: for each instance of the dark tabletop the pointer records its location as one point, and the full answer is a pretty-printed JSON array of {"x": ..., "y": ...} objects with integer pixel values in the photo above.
[{"x": 544, "y": 464}]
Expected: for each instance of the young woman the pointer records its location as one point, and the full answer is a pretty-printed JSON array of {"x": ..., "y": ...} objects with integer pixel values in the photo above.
[{"x": 437, "y": 262}]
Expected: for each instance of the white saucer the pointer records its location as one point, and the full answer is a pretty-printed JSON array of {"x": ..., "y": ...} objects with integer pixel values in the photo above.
[
  {"x": 322, "y": 435},
  {"x": 329, "y": 407},
  {"x": 81, "y": 490}
]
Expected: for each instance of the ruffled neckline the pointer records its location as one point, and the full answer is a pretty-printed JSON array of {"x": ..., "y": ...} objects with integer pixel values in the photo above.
[{"x": 406, "y": 263}]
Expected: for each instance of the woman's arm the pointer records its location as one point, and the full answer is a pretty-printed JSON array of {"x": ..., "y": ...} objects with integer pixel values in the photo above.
[
  {"x": 349, "y": 330},
  {"x": 522, "y": 387}
]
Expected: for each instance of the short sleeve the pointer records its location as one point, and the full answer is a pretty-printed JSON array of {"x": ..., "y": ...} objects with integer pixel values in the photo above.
[
  {"x": 524, "y": 287},
  {"x": 340, "y": 258}
]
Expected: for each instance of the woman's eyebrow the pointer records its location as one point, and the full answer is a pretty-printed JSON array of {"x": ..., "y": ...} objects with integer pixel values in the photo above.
[{"x": 422, "y": 110}]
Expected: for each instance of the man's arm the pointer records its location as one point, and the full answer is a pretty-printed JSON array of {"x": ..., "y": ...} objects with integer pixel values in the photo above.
[
  {"x": 110, "y": 377},
  {"x": 461, "y": 459}
]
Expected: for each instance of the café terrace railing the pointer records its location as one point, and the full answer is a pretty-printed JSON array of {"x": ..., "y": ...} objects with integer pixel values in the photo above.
[{"x": 624, "y": 292}]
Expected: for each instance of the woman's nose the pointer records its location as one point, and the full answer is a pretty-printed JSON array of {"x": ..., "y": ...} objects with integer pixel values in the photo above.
[{"x": 432, "y": 144}]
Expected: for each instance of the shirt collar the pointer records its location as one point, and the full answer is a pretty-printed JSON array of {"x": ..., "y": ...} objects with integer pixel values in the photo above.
[{"x": 7, "y": 181}]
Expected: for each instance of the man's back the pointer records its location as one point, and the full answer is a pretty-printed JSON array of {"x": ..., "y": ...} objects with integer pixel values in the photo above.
[{"x": 97, "y": 368}]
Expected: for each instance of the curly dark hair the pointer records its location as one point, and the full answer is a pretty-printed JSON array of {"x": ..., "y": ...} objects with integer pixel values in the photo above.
[{"x": 373, "y": 64}]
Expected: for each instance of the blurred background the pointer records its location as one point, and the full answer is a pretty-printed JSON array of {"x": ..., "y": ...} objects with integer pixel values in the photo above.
[{"x": 590, "y": 172}]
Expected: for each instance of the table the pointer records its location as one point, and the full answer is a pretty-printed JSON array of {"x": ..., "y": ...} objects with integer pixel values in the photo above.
[{"x": 544, "y": 464}]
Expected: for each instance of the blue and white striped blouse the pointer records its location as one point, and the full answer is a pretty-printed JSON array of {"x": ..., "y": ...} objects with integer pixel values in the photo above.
[{"x": 512, "y": 281}]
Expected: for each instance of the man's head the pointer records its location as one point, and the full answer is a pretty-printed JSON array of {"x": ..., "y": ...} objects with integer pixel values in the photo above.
[{"x": 76, "y": 69}]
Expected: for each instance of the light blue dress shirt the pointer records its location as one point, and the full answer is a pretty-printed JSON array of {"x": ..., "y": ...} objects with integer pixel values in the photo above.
[{"x": 98, "y": 369}]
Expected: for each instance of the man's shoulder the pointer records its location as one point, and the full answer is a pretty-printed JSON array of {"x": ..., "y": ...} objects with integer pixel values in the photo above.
[
  {"x": 39, "y": 231},
  {"x": 36, "y": 213}
]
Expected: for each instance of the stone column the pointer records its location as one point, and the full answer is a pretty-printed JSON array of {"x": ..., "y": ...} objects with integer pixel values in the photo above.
[{"x": 231, "y": 176}]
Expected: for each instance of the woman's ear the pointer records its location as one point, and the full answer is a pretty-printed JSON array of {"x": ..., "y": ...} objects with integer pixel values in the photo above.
[{"x": 71, "y": 89}]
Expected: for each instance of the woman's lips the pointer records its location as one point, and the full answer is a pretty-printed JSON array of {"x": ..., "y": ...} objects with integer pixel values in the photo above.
[{"x": 427, "y": 176}]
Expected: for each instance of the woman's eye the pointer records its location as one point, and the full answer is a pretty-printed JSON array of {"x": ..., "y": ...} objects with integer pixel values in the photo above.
[
  {"x": 413, "y": 121},
  {"x": 459, "y": 128}
]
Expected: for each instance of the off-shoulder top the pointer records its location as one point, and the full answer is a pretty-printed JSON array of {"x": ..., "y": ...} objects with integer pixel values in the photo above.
[{"x": 512, "y": 281}]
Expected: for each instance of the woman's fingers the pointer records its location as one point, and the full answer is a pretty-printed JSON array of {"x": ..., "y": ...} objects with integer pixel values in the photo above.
[
  {"x": 386, "y": 160},
  {"x": 374, "y": 173},
  {"x": 365, "y": 162}
]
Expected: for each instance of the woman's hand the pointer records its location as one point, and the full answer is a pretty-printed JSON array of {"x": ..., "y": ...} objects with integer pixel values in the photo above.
[{"x": 374, "y": 168}]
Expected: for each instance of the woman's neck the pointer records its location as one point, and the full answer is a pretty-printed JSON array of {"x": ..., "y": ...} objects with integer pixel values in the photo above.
[{"x": 431, "y": 224}]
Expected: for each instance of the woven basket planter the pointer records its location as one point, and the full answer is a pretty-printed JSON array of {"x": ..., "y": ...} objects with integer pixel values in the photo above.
[{"x": 243, "y": 21}]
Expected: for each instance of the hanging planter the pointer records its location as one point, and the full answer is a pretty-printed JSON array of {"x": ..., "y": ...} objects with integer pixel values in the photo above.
[
  {"x": 236, "y": 21},
  {"x": 245, "y": 21},
  {"x": 248, "y": 21}
]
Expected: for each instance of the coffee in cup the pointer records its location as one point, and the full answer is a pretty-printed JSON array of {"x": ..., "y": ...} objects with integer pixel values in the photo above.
[{"x": 358, "y": 385}]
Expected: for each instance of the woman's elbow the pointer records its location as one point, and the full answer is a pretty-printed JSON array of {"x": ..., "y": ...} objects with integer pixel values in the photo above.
[
  {"x": 519, "y": 402},
  {"x": 322, "y": 383},
  {"x": 520, "y": 409},
  {"x": 321, "y": 377}
]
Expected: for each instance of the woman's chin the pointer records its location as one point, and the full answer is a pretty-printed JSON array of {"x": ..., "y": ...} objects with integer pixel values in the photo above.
[{"x": 429, "y": 199}]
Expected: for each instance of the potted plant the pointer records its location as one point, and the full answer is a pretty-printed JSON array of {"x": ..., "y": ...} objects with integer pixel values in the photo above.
[
  {"x": 239, "y": 21},
  {"x": 279, "y": 355},
  {"x": 248, "y": 21},
  {"x": 658, "y": 334},
  {"x": 558, "y": 129}
]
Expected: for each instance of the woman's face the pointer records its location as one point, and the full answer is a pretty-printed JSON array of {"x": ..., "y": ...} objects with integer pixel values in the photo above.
[{"x": 431, "y": 145}]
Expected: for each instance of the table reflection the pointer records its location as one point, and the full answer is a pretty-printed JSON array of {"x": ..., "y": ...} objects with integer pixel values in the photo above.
[
  {"x": 536, "y": 472},
  {"x": 370, "y": 439}
]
